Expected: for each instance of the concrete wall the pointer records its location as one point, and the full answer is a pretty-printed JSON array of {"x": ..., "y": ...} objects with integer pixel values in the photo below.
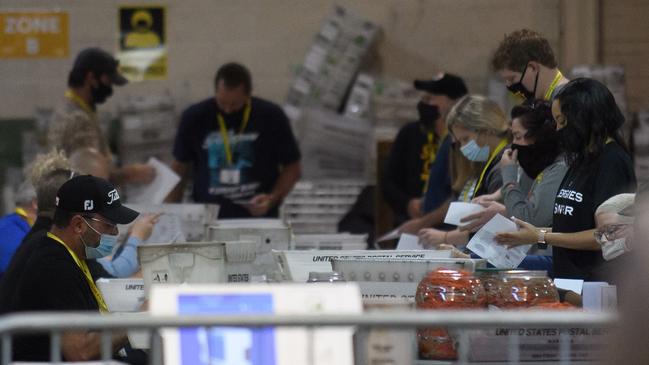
[
  {"x": 272, "y": 37},
  {"x": 625, "y": 41}
]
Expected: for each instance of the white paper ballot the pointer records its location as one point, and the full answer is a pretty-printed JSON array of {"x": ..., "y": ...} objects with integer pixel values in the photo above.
[
  {"x": 392, "y": 235},
  {"x": 169, "y": 229},
  {"x": 484, "y": 245},
  {"x": 459, "y": 210},
  {"x": 409, "y": 242},
  {"x": 155, "y": 192},
  {"x": 575, "y": 285}
]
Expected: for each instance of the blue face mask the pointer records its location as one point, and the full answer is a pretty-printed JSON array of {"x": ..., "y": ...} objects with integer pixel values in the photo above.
[
  {"x": 473, "y": 152},
  {"x": 106, "y": 244}
]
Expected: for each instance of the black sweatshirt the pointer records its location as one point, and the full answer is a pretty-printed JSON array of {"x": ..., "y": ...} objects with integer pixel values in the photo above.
[{"x": 403, "y": 177}]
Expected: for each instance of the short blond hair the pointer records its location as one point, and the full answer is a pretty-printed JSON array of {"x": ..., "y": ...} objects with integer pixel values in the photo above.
[
  {"x": 479, "y": 114},
  {"x": 47, "y": 173},
  {"x": 44, "y": 164}
]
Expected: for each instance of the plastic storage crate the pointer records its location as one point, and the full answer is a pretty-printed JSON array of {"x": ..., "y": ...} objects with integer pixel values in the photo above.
[
  {"x": 339, "y": 241},
  {"x": 122, "y": 295}
]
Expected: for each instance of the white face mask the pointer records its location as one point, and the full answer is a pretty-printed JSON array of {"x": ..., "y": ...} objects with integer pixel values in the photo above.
[{"x": 615, "y": 248}]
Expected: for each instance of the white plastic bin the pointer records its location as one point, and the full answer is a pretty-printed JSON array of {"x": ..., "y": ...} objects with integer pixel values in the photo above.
[
  {"x": 122, "y": 295},
  {"x": 267, "y": 234},
  {"x": 339, "y": 241},
  {"x": 180, "y": 263}
]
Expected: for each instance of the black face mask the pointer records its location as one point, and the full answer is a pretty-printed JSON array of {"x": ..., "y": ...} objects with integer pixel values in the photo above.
[
  {"x": 233, "y": 118},
  {"x": 520, "y": 90},
  {"x": 428, "y": 114},
  {"x": 534, "y": 158},
  {"x": 101, "y": 93}
]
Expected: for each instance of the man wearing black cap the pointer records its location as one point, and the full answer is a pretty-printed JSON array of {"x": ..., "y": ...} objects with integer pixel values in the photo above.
[
  {"x": 417, "y": 145},
  {"x": 51, "y": 274},
  {"x": 74, "y": 125}
]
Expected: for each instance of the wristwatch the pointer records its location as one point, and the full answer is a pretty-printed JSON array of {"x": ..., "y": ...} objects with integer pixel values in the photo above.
[{"x": 541, "y": 238}]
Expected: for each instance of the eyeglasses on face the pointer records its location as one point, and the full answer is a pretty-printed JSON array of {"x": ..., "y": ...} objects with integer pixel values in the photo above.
[{"x": 611, "y": 232}]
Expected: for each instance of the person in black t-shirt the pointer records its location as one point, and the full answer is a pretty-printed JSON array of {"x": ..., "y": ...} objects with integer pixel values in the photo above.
[
  {"x": 416, "y": 146},
  {"x": 589, "y": 124},
  {"x": 50, "y": 273},
  {"x": 241, "y": 149}
]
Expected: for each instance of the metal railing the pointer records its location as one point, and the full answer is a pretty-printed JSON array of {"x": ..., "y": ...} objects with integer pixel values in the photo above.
[{"x": 55, "y": 323}]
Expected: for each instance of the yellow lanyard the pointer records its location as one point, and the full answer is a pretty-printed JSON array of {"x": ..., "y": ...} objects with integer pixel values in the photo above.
[
  {"x": 23, "y": 214},
  {"x": 495, "y": 153},
  {"x": 467, "y": 189},
  {"x": 428, "y": 155},
  {"x": 224, "y": 131},
  {"x": 74, "y": 97},
  {"x": 84, "y": 268},
  {"x": 553, "y": 85},
  {"x": 536, "y": 183}
]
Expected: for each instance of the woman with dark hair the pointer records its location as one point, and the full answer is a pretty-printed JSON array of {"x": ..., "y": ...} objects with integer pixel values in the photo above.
[
  {"x": 599, "y": 166},
  {"x": 535, "y": 150},
  {"x": 532, "y": 170}
]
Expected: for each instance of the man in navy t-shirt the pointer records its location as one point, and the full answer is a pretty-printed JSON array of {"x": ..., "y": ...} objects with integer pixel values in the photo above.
[{"x": 240, "y": 148}]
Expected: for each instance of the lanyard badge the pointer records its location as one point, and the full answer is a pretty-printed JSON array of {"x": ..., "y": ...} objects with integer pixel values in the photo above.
[
  {"x": 231, "y": 175},
  {"x": 224, "y": 131}
]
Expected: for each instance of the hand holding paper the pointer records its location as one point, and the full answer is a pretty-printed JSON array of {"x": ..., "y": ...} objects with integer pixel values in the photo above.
[
  {"x": 475, "y": 221},
  {"x": 458, "y": 210},
  {"x": 526, "y": 234},
  {"x": 409, "y": 242},
  {"x": 484, "y": 245}
]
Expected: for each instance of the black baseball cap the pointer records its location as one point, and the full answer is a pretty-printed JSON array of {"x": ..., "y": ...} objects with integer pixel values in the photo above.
[
  {"x": 99, "y": 62},
  {"x": 90, "y": 194},
  {"x": 443, "y": 84}
]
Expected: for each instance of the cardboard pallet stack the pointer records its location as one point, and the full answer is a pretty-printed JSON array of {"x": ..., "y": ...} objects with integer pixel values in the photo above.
[
  {"x": 317, "y": 207},
  {"x": 332, "y": 62},
  {"x": 148, "y": 129},
  {"x": 333, "y": 146},
  {"x": 389, "y": 103}
]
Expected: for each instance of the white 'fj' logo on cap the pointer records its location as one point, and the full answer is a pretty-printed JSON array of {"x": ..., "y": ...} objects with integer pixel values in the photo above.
[
  {"x": 88, "y": 205},
  {"x": 113, "y": 195}
]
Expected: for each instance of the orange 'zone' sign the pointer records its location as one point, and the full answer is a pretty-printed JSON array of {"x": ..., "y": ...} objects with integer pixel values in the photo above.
[{"x": 34, "y": 35}]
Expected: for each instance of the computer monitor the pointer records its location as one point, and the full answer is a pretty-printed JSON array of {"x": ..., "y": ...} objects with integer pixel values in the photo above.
[{"x": 257, "y": 346}]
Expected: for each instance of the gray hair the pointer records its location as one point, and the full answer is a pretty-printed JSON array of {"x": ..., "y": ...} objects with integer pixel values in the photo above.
[
  {"x": 47, "y": 188},
  {"x": 25, "y": 194},
  {"x": 45, "y": 164},
  {"x": 616, "y": 204}
]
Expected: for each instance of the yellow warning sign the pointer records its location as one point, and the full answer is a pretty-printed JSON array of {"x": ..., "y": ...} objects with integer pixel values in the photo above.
[
  {"x": 142, "y": 45},
  {"x": 33, "y": 34}
]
